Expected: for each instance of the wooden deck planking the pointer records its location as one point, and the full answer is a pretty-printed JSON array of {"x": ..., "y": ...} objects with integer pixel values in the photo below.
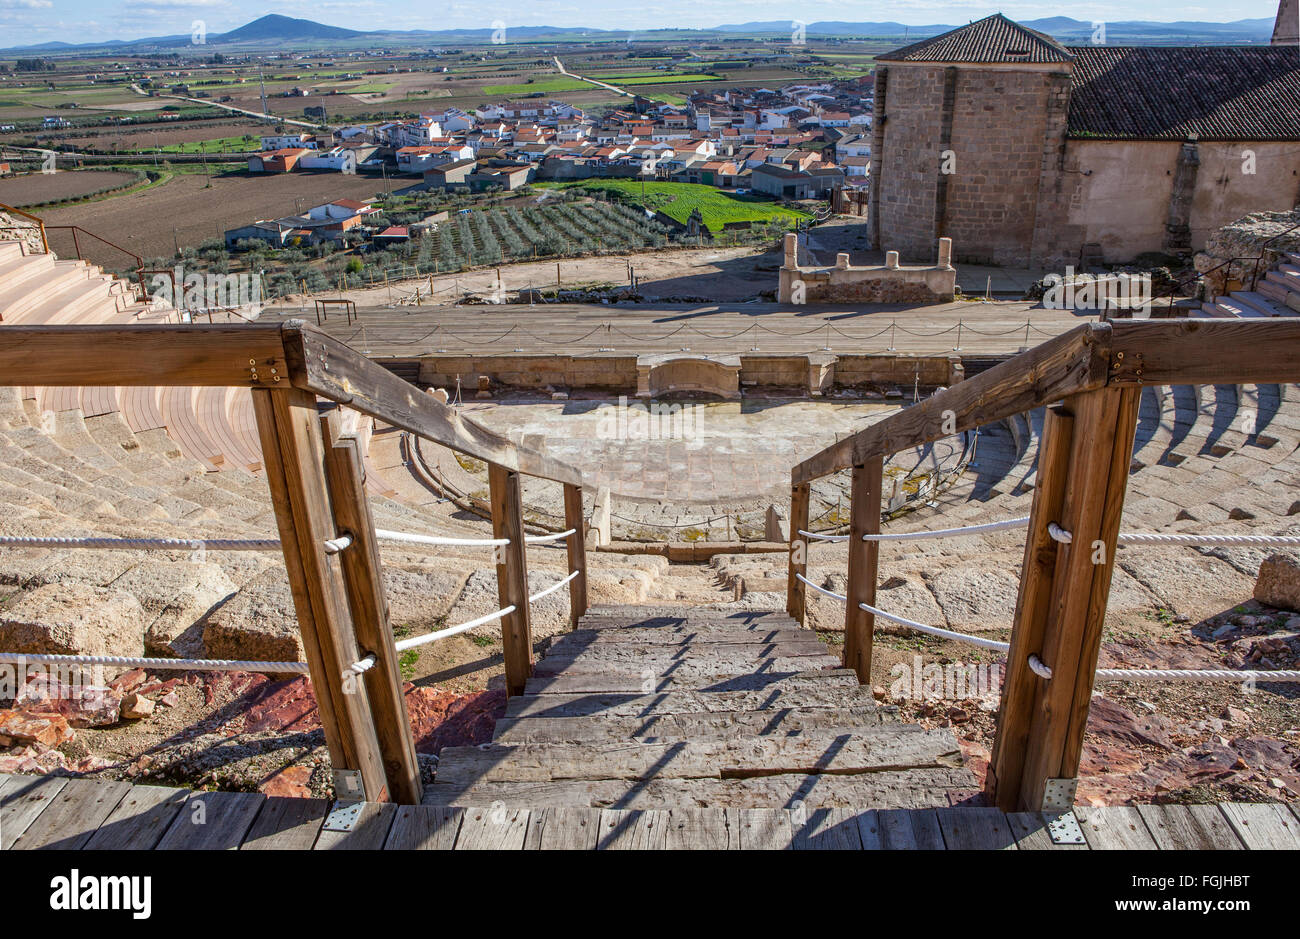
[
  {"x": 1189, "y": 828},
  {"x": 900, "y": 830},
  {"x": 1116, "y": 828},
  {"x": 976, "y": 829},
  {"x": 212, "y": 821},
  {"x": 424, "y": 828},
  {"x": 22, "y": 800},
  {"x": 93, "y": 814},
  {"x": 563, "y": 828},
  {"x": 140, "y": 820},
  {"x": 1264, "y": 827},
  {"x": 285, "y": 823},
  {"x": 72, "y": 816}
]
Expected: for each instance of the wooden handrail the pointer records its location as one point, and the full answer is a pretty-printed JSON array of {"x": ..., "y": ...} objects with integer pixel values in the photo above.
[
  {"x": 1072, "y": 362},
  {"x": 1096, "y": 371},
  {"x": 1088, "y": 357},
  {"x": 273, "y": 356}
]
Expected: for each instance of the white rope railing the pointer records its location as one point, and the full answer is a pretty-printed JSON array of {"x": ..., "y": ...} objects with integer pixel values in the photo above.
[
  {"x": 1196, "y": 674},
  {"x": 817, "y": 536},
  {"x": 936, "y": 630},
  {"x": 335, "y": 545},
  {"x": 1209, "y": 541},
  {"x": 1059, "y": 534},
  {"x": 950, "y": 532},
  {"x": 540, "y": 539},
  {"x": 384, "y": 534},
  {"x": 554, "y": 587},
  {"x": 1043, "y": 670},
  {"x": 411, "y": 643},
  {"x": 144, "y": 544},
  {"x": 830, "y": 593},
  {"x": 183, "y": 665}
]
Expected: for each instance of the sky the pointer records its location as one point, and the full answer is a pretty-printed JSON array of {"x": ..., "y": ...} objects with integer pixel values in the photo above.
[{"x": 24, "y": 22}]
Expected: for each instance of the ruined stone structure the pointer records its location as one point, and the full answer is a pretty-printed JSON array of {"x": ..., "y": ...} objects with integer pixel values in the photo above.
[
  {"x": 1286, "y": 31},
  {"x": 1023, "y": 151},
  {"x": 872, "y": 283}
]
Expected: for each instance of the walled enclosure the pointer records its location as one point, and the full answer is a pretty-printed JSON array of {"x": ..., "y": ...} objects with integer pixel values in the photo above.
[
  {"x": 813, "y": 374},
  {"x": 872, "y": 283}
]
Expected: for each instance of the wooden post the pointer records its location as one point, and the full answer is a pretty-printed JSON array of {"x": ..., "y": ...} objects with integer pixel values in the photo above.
[
  {"x": 512, "y": 576},
  {"x": 293, "y": 455},
  {"x": 798, "y": 564},
  {"x": 1020, "y": 686},
  {"x": 1096, "y": 476},
  {"x": 864, "y": 561},
  {"x": 363, "y": 581},
  {"x": 577, "y": 544}
]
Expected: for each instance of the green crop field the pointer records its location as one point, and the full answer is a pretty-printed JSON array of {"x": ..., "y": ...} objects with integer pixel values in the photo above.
[
  {"x": 544, "y": 85},
  {"x": 215, "y": 145},
  {"x": 678, "y": 200}
]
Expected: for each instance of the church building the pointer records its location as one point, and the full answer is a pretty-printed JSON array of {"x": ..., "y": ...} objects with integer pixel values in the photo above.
[{"x": 1029, "y": 153}]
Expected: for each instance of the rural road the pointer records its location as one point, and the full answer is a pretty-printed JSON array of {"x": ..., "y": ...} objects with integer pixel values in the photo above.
[
  {"x": 591, "y": 81},
  {"x": 262, "y": 115}
]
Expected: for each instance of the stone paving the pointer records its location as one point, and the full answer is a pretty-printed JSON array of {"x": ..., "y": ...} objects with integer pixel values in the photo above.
[{"x": 691, "y": 453}]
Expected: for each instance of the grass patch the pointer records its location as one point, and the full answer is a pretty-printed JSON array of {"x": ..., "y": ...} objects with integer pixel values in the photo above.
[{"x": 678, "y": 200}]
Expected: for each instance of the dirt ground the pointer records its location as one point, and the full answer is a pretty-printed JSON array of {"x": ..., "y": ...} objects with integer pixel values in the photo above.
[
  {"x": 138, "y": 137},
  {"x": 36, "y": 188},
  {"x": 186, "y": 210},
  {"x": 715, "y": 273}
]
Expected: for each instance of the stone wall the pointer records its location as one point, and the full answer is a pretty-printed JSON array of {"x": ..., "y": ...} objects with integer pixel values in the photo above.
[
  {"x": 872, "y": 283},
  {"x": 1003, "y": 132},
  {"x": 813, "y": 374},
  {"x": 614, "y": 373},
  {"x": 901, "y": 371},
  {"x": 1122, "y": 191}
]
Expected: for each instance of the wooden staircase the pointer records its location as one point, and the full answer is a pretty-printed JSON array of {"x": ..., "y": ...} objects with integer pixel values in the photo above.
[{"x": 680, "y": 707}]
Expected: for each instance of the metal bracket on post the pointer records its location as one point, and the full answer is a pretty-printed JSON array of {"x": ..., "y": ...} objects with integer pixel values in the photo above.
[
  {"x": 348, "y": 786},
  {"x": 349, "y": 795},
  {"x": 1058, "y": 810}
]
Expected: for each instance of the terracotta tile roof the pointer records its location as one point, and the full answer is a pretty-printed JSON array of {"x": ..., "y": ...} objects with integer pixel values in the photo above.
[
  {"x": 992, "y": 39},
  {"x": 1169, "y": 92}
]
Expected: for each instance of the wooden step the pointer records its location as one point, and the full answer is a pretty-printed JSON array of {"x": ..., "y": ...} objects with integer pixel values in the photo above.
[
  {"x": 682, "y": 635},
  {"x": 696, "y": 670},
  {"x": 913, "y": 788},
  {"x": 634, "y": 681},
  {"x": 732, "y": 725},
  {"x": 617, "y": 652},
  {"x": 891, "y": 748},
  {"x": 618, "y": 705}
]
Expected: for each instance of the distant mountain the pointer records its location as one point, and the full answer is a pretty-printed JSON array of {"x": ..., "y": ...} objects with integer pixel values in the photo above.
[
  {"x": 281, "y": 31},
  {"x": 279, "y": 28}
]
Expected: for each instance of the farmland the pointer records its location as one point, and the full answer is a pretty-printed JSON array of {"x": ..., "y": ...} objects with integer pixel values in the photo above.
[
  {"x": 41, "y": 188},
  {"x": 678, "y": 200}
]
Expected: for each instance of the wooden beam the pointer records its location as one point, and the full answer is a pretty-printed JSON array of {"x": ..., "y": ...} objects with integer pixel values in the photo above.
[
  {"x": 293, "y": 455},
  {"x": 795, "y": 598},
  {"x": 577, "y": 545},
  {"x": 512, "y": 576},
  {"x": 364, "y": 584},
  {"x": 321, "y": 364},
  {"x": 1100, "y": 453},
  {"x": 1205, "y": 351},
  {"x": 1068, "y": 364},
  {"x": 1020, "y": 686},
  {"x": 864, "y": 563},
  {"x": 249, "y": 356}
]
